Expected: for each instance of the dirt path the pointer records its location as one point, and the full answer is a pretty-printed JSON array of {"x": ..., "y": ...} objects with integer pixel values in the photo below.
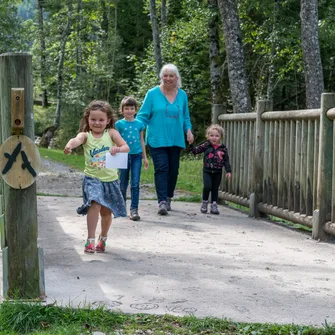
[{"x": 59, "y": 179}]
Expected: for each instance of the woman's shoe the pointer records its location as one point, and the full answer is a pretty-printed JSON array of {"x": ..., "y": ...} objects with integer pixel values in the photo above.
[
  {"x": 168, "y": 204},
  {"x": 89, "y": 246},
  {"x": 101, "y": 246},
  {"x": 214, "y": 208},
  {"x": 204, "y": 206}
]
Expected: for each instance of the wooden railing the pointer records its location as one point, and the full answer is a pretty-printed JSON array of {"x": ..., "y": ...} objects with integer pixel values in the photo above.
[{"x": 282, "y": 164}]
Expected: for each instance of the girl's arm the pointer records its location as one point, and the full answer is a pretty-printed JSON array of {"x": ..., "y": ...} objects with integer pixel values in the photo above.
[
  {"x": 121, "y": 145},
  {"x": 199, "y": 149},
  {"x": 75, "y": 142},
  {"x": 144, "y": 153}
]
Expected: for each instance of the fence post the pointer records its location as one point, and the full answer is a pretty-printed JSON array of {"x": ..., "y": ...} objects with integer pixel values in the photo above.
[
  {"x": 324, "y": 183},
  {"x": 217, "y": 109},
  {"x": 20, "y": 205},
  {"x": 258, "y": 171}
]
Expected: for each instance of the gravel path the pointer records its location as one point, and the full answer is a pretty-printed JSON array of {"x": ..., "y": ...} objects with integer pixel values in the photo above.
[{"x": 59, "y": 179}]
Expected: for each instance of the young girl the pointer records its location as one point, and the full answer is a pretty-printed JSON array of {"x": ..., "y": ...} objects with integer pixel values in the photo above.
[
  {"x": 101, "y": 190},
  {"x": 215, "y": 158},
  {"x": 132, "y": 131}
]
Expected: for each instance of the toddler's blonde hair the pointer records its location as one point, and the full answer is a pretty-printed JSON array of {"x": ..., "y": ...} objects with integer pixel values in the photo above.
[{"x": 216, "y": 127}]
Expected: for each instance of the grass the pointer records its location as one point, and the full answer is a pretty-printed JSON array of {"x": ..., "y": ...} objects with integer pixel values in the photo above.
[
  {"x": 190, "y": 171},
  {"x": 38, "y": 319}
]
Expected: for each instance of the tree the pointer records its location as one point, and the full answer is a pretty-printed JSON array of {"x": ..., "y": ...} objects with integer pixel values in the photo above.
[
  {"x": 235, "y": 57},
  {"x": 49, "y": 132},
  {"x": 214, "y": 53},
  {"x": 311, "y": 53},
  {"x": 43, "y": 67},
  {"x": 155, "y": 36}
]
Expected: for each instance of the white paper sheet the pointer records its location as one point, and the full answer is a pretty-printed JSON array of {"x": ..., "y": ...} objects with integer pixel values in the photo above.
[{"x": 118, "y": 161}]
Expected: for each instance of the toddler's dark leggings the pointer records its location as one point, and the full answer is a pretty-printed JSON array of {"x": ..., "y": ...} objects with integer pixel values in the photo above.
[{"x": 211, "y": 184}]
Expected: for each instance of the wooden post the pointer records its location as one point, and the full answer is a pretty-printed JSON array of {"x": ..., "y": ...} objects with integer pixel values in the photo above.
[
  {"x": 324, "y": 183},
  {"x": 20, "y": 204},
  {"x": 217, "y": 109},
  {"x": 258, "y": 170}
]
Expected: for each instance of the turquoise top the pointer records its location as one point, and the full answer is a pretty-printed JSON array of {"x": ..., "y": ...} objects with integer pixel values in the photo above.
[
  {"x": 166, "y": 122},
  {"x": 130, "y": 132}
]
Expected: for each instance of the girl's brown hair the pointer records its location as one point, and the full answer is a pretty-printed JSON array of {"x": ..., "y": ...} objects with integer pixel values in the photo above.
[
  {"x": 94, "y": 105},
  {"x": 127, "y": 101},
  {"x": 216, "y": 127}
]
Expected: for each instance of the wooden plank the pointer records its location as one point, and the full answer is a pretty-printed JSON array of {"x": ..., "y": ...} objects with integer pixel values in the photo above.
[
  {"x": 310, "y": 167},
  {"x": 296, "y": 195},
  {"x": 291, "y": 166},
  {"x": 286, "y": 164},
  {"x": 281, "y": 165},
  {"x": 303, "y": 167}
]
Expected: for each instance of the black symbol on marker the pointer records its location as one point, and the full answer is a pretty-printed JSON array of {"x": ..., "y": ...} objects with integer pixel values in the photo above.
[
  {"x": 26, "y": 164},
  {"x": 11, "y": 158}
]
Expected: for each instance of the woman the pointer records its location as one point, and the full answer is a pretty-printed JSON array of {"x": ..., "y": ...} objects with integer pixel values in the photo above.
[{"x": 165, "y": 113}]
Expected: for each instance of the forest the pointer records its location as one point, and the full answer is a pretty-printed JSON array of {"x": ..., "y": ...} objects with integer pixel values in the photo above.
[{"x": 229, "y": 52}]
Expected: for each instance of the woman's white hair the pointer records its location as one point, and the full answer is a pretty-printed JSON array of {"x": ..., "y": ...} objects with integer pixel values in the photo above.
[{"x": 170, "y": 68}]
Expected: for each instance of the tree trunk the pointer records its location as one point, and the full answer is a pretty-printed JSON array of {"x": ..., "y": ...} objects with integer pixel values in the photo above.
[
  {"x": 155, "y": 36},
  {"x": 50, "y": 131},
  {"x": 163, "y": 14},
  {"x": 42, "y": 57},
  {"x": 79, "y": 51},
  {"x": 234, "y": 49},
  {"x": 311, "y": 53},
  {"x": 271, "y": 77},
  {"x": 214, "y": 54}
]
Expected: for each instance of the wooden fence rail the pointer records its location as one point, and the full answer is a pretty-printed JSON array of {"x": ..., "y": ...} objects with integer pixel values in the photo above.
[{"x": 282, "y": 164}]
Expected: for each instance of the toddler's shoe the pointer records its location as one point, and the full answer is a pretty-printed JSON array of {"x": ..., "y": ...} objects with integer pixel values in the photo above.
[
  {"x": 204, "y": 206},
  {"x": 162, "y": 208},
  {"x": 214, "y": 208},
  {"x": 89, "y": 246},
  {"x": 134, "y": 215},
  {"x": 101, "y": 246}
]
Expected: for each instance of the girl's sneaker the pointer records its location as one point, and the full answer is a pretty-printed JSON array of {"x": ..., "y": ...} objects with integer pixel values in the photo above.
[
  {"x": 89, "y": 246},
  {"x": 214, "y": 208},
  {"x": 204, "y": 206},
  {"x": 101, "y": 246}
]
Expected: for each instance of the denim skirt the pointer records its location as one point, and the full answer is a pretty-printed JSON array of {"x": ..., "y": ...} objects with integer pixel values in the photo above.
[{"x": 107, "y": 194}]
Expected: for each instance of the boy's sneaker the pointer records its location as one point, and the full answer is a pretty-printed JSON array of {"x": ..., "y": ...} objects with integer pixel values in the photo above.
[
  {"x": 214, "y": 208},
  {"x": 162, "y": 208},
  {"x": 134, "y": 215},
  {"x": 168, "y": 204},
  {"x": 204, "y": 206}
]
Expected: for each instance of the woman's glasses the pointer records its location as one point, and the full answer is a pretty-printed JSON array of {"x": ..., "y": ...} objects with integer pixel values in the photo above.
[{"x": 172, "y": 112}]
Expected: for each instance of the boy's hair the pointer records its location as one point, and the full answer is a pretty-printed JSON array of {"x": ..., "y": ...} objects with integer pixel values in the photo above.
[
  {"x": 216, "y": 127},
  {"x": 94, "y": 105},
  {"x": 170, "y": 68},
  {"x": 127, "y": 101}
]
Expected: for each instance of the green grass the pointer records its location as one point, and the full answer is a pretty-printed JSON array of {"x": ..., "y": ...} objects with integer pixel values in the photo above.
[
  {"x": 38, "y": 319},
  {"x": 75, "y": 161},
  {"x": 189, "y": 179}
]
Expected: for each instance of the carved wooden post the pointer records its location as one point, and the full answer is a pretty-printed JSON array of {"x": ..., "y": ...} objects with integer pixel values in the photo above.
[
  {"x": 20, "y": 257},
  {"x": 258, "y": 171},
  {"x": 324, "y": 183}
]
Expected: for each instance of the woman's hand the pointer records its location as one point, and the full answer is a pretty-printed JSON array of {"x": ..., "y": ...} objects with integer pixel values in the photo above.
[
  {"x": 190, "y": 137},
  {"x": 228, "y": 175},
  {"x": 67, "y": 150}
]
